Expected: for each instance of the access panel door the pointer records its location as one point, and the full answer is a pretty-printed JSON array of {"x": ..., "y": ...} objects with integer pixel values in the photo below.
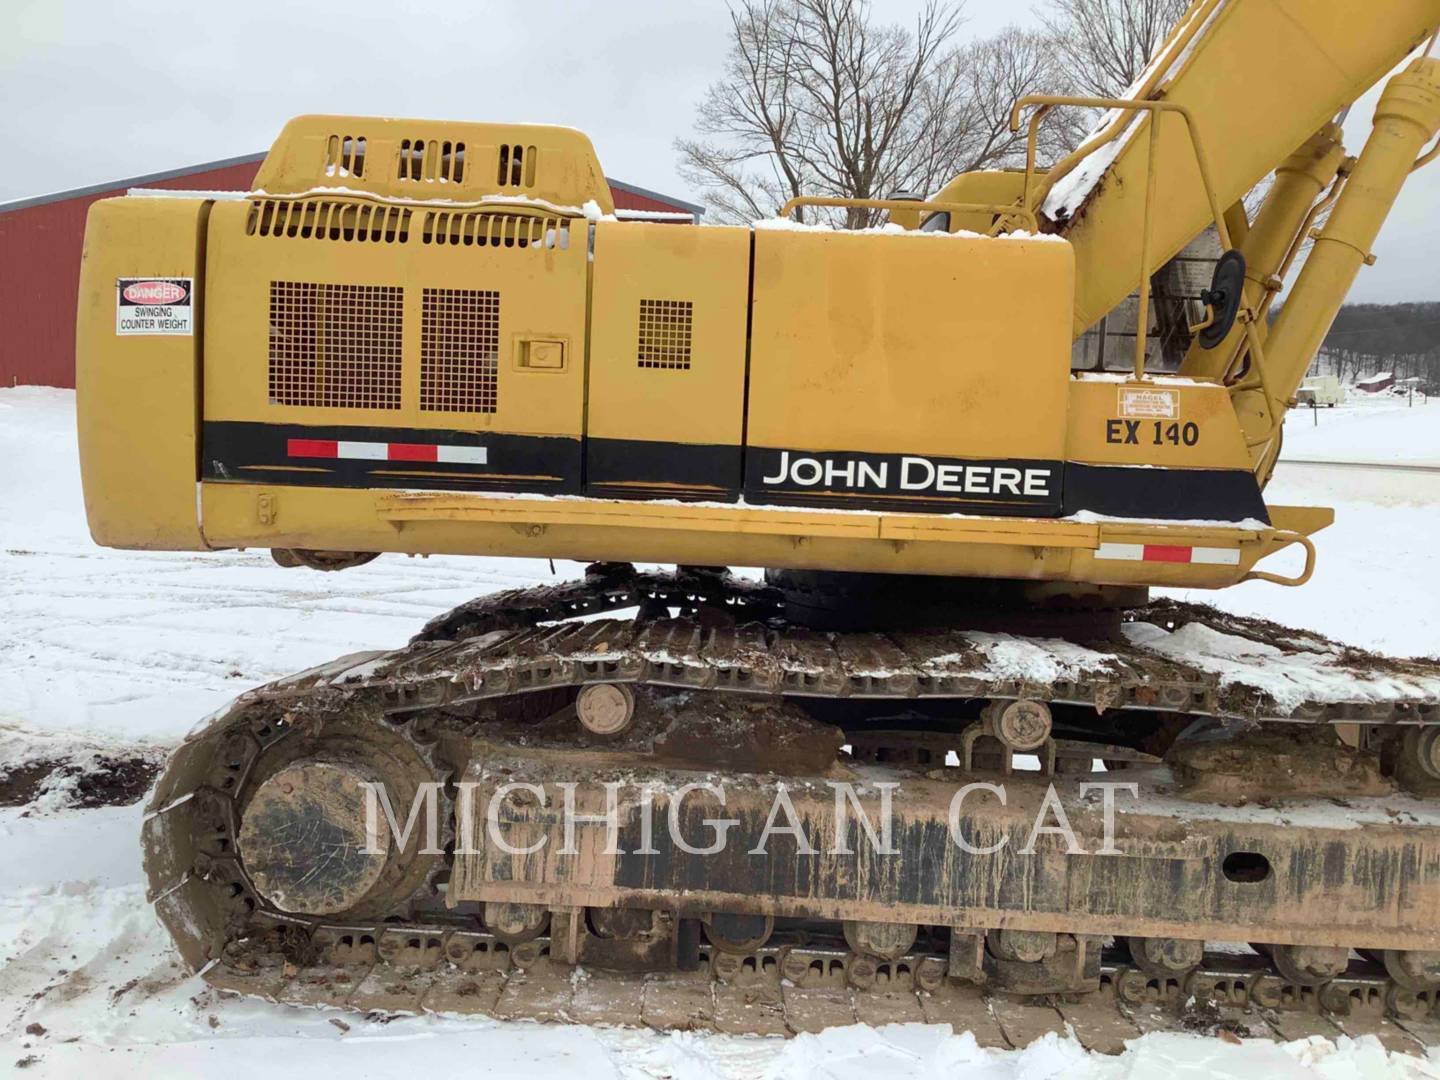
[
  {"x": 351, "y": 344},
  {"x": 920, "y": 373},
  {"x": 665, "y": 411}
]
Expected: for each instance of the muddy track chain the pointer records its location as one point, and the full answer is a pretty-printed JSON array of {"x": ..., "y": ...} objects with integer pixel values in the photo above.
[
  {"x": 790, "y": 989},
  {"x": 408, "y": 958},
  {"x": 606, "y": 587}
]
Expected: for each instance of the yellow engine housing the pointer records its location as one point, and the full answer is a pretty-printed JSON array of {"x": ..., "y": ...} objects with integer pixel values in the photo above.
[{"x": 428, "y": 357}]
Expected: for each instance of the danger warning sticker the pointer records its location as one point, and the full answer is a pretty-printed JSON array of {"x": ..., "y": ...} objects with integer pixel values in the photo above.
[
  {"x": 155, "y": 306},
  {"x": 1145, "y": 403}
]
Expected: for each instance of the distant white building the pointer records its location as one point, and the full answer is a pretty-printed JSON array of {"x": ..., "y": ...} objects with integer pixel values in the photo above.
[{"x": 1322, "y": 391}]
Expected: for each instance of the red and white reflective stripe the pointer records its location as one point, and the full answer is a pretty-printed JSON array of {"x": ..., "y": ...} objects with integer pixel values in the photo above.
[
  {"x": 1176, "y": 553},
  {"x": 384, "y": 451}
]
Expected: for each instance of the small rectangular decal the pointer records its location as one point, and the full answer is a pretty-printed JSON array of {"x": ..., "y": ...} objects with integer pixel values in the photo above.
[
  {"x": 156, "y": 306},
  {"x": 1149, "y": 404}
]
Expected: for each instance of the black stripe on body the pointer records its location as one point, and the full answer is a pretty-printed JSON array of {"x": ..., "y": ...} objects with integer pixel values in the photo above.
[{"x": 248, "y": 452}]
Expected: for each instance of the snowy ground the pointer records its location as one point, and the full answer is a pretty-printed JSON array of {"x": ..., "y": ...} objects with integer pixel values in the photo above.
[
  {"x": 1376, "y": 583},
  {"x": 1369, "y": 428},
  {"x": 106, "y": 651}
]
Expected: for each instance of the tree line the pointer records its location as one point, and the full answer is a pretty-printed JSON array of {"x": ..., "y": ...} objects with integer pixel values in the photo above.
[{"x": 1370, "y": 338}]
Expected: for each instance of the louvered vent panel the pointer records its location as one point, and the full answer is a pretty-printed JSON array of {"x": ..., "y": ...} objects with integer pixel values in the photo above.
[
  {"x": 326, "y": 220},
  {"x": 459, "y": 350},
  {"x": 664, "y": 339},
  {"x": 336, "y": 346},
  {"x": 517, "y": 166},
  {"x": 434, "y": 161},
  {"x": 483, "y": 229},
  {"x": 345, "y": 155}
]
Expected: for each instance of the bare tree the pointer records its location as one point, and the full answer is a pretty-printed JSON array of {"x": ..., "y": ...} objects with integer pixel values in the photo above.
[
  {"x": 1104, "y": 45},
  {"x": 818, "y": 99},
  {"x": 1000, "y": 71}
]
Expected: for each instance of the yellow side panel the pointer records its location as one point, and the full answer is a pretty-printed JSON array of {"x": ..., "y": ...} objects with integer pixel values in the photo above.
[
  {"x": 1164, "y": 448},
  {"x": 138, "y": 393},
  {"x": 866, "y": 349},
  {"x": 667, "y": 360},
  {"x": 1164, "y": 424},
  {"x": 541, "y": 296}
]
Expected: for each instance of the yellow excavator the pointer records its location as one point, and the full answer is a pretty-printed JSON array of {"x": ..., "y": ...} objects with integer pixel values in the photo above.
[{"x": 960, "y": 761}]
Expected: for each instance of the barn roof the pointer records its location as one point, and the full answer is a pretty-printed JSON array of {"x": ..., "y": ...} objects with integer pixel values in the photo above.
[
  {"x": 255, "y": 159},
  {"x": 129, "y": 182},
  {"x": 634, "y": 189}
]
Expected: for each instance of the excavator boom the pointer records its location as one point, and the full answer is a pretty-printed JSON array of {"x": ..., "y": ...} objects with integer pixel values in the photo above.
[{"x": 1258, "y": 78}]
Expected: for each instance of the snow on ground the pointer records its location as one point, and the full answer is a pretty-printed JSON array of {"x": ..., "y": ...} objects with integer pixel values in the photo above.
[
  {"x": 1375, "y": 582},
  {"x": 1367, "y": 428},
  {"x": 119, "y": 649},
  {"x": 127, "y": 645}
]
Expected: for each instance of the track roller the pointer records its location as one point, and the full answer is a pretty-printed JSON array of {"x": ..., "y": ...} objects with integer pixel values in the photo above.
[
  {"x": 1023, "y": 726},
  {"x": 1414, "y": 969},
  {"x": 881, "y": 940},
  {"x": 1166, "y": 958},
  {"x": 516, "y": 923},
  {"x": 606, "y": 709},
  {"x": 1309, "y": 965},
  {"x": 732, "y": 933}
]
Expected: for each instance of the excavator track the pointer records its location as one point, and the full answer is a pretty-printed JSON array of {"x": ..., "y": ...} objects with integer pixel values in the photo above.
[
  {"x": 485, "y": 695},
  {"x": 793, "y": 989}
]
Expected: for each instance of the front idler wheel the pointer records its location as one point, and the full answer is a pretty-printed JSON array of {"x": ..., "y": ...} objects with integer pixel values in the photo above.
[{"x": 304, "y": 841}]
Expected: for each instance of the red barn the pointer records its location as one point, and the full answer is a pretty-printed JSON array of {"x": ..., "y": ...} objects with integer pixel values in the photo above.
[{"x": 41, "y": 238}]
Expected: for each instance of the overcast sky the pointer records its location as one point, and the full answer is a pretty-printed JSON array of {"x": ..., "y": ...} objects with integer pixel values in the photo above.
[{"x": 95, "y": 90}]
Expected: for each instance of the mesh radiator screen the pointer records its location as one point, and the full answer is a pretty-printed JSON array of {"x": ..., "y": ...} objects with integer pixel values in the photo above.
[
  {"x": 664, "y": 339},
  {"x": 459, "y": 350},
  {"x": 337, "y": 346}
]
